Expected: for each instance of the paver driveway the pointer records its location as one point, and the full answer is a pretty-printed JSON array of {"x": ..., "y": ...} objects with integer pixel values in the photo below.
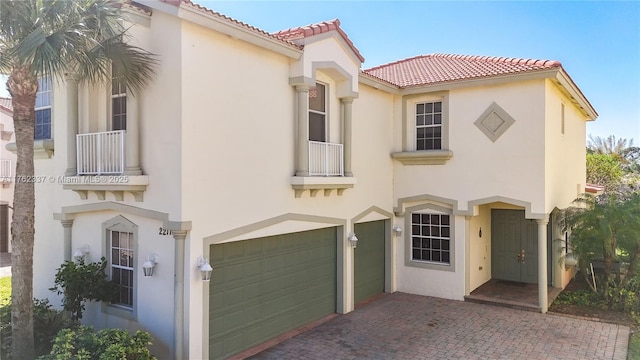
[{"x": 403, "y": 326}]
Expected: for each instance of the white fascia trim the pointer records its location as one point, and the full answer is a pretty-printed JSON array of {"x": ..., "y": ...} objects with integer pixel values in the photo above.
[
  {"x": 378, "y": 84},
  {"x": 235, "y": 31},
  {"x": 573, "y": 90}
]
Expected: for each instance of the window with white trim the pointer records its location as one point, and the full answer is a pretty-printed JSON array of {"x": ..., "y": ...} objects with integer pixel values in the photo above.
[
  {"x": 429, "y": 125},
  {"x": 43, "y": 110},
  {"x": 318, "y": 113},
  {"x": 121, "y": 266},
  {"x": 118, "y": 102},
  {"x": 431, "y": 238}
]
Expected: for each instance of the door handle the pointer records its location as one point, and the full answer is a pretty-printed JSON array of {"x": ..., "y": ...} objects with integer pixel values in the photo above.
[{"x": 521, "y": 256}]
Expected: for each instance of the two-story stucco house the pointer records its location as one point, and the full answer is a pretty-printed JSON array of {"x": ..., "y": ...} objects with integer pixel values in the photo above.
[
  {"x": 269, "y": 154},
  {"x": 7, "y": 169}
]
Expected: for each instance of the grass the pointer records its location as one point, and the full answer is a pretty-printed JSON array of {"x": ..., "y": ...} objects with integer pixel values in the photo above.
[
  {"x": 634, "y": 346},
  {"x": 5, "y": 290}
]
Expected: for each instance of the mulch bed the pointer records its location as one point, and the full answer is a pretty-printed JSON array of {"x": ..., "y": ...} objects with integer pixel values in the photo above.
[{"x": 593, "y": 313}]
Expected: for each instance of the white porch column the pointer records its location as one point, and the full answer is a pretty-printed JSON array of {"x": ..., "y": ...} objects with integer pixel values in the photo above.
[
  {"x": 67, "y": 225},
  {"x": 467, "y": 255},
  {"x": 72, "y": 125},
  {"x": 347, "y": 103},
  {"x": 132, "y": 138},
  {"x": 302, "y": 140},
  {"x": 542, "y": 265},
  {"x": 178, "y": 293}
]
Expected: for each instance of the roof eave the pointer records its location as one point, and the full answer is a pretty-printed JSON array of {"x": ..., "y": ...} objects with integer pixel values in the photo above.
[
  {"x": 236, "y": 31},
  {"x": 574, "y": 91},
  {"x": 379, "y": 84},
  {"x": 480, "y": 81}
]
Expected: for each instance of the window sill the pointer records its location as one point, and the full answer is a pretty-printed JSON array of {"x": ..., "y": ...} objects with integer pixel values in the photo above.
[
  {"x": 119, "y": 311},
  {"x": 423, "y": 157},
  {"x": 42, "y": 149},
  {"x": 316, "y": 183},
  {"x": 429, "y": 265},
  {"x": 100, "y": 185}
]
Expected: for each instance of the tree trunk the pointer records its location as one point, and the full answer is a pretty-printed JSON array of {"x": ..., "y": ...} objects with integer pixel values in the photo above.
[{"x": 23, "y": 86}]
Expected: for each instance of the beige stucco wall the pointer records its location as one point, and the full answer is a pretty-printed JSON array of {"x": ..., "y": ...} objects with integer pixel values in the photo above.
[
  {"x": 565, "y": 166},
  {"x": 6, "y": 188},
  {"x": 238, "y": 150},
  {"x": 480, "y": 247},
  {"x": 565, "y": 163},
  {"x": 512, "y": 167}
]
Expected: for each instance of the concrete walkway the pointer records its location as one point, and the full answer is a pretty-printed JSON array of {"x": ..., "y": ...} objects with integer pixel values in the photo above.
[
  {"x": 402, "y": 326},
  {"x": 5, "y": 264}
]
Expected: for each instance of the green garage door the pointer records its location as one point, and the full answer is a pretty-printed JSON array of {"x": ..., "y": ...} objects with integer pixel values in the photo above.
[
  {"x": 369, "y": 260},
  {"x": 264, "y": 287}
]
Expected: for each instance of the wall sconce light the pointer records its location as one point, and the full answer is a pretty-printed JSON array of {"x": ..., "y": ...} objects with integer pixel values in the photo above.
[
  {"x": 353, "y": 240},
  {"x": 80, "y": 253},
  {"x": 397, "y": 230},
  {"x": 480, "y": 232},
  {"x": 205, "y": 268},
  {"x": 149, "y": 265}
]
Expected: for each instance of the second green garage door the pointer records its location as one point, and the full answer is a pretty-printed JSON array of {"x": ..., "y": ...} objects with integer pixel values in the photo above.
[
  {"x": 369, "y": 260},
  {"x": 262, "y": 288}
]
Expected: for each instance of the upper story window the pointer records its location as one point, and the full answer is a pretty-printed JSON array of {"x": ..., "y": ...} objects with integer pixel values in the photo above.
[
  {"x": 318, "y": 113},
  {"x": 429, "y": 126},
  {"x": 43, "y": 109},
  {"x": 118, "y": 103}
]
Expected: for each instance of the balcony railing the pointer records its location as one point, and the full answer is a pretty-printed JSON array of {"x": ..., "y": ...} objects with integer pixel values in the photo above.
[
  {"x": 101, "y": 153},
  {"x": 5, "y": 170},
  {"x": 325, "y": 159}
]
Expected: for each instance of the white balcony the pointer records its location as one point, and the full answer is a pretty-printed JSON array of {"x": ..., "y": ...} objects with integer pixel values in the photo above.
[
  {"x": 101, "y": 153},
  {"x": 325, "y": 159},
  {"x": 5, "y": 171}
]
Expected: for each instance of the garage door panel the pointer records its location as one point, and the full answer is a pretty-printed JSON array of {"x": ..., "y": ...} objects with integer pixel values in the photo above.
[
  {"x": 264, "y": 287},
  {"x": 369, "y": 260}
]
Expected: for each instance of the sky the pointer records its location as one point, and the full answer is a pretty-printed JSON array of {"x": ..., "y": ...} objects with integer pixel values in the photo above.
[{"x": 598, "y": 42}]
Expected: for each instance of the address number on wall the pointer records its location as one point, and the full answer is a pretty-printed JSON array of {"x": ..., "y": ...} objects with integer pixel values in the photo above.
[{"x": 164, "y": 231}]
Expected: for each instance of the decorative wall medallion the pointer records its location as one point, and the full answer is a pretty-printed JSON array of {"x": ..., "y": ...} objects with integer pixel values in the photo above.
[{"x": 494, "y": 122}]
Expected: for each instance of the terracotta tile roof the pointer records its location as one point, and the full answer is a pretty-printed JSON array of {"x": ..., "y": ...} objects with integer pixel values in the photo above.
[
  {"x": 594, "y": 189},
  {"x": 315, "y": 29},
  {"x": 440, "y": 68},
  {"x": 231, "y": 20},
  {"x": 6, "y": 104}
]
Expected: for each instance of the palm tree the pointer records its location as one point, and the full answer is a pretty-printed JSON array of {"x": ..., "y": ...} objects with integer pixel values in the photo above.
[
  {"x": 54, "y": 38},
  {"x": 622, "y": 149}
]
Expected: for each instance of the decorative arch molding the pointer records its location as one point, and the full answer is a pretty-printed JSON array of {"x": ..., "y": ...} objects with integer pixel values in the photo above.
[
  {"x": 528, "y": 213},
  {"x": 372, "y": 210},
  {"x": 347, "y": 86},
  {"x": 471, "y": 208},
  {"x": 70, "y": 213},
  {"x": 267, "y": 223},
  {"x": 427, "y": 198}
]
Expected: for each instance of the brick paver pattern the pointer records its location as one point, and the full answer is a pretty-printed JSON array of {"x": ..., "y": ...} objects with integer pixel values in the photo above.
[{"x": 403, "y": 326}]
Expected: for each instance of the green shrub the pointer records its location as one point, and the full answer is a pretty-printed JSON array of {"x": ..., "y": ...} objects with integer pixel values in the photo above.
[
  {"x": 79, "y": 282},
  {"x": 84, "y": 343},
  {"x": 47, "y": 322}
]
